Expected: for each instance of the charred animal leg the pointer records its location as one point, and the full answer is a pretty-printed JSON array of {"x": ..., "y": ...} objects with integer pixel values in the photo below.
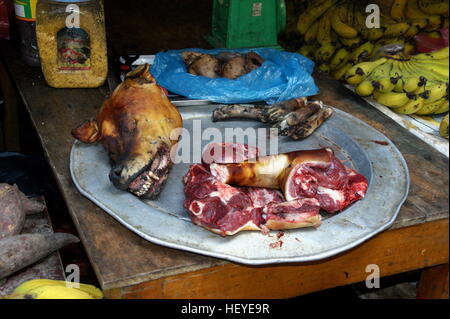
[
  {"x": 308, "y": 127},
  {"x": 236, "y": 111}
]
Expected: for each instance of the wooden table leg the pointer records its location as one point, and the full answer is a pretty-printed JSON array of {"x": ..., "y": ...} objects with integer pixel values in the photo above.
[{"x": 434, "y": 283}]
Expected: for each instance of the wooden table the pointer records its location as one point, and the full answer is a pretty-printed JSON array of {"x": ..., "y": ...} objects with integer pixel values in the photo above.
[{"x": 130, "y": 267}]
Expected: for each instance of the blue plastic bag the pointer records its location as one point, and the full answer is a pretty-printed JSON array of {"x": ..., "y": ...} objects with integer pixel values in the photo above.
[{"x": 282, "y": 76}]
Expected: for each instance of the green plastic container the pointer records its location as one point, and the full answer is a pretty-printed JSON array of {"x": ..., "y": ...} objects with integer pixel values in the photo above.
[{"x": 247, "y": 23}]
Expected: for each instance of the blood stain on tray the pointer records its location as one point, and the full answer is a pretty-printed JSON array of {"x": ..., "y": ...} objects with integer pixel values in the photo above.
[{"x": 381, "y": 143}]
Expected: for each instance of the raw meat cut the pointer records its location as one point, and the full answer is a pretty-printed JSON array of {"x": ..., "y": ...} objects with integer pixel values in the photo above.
[
  {"x": 231, "y": 197},
  {"x": 303, "y": 174},
  {"x": 227, "y": 210}
]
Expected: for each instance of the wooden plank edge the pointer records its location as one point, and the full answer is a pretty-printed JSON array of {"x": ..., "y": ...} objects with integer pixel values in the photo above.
[{"x": 393, "y": 251}]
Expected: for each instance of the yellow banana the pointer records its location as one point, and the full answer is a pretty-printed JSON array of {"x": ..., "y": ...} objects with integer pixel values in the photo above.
[
  {"x": 325, "y": 52},
  {"x": 340, "y": 58},
  {"x": 391, "y": 99},
  {"x": 311, "y": 14},
  {"x": 358, "y": 73},
  {"x": 339, "y": 74},
  {"x": 433, "y": 7},
  {"x": 362, "y": 52},
  {"x": 436, "y": 92},
  {"x": 381, "y": 79},
  {"x": 375, "y": 33},
  {"x": 443, "y": 107},
  {"x": 411, "y": 107},
  {"x": 324, "y": 67},
  {"x": 398, "y": 9},
  {"x": 413, "y": 12},
  {"x": 440, "y": 70},
  {"x": 398, "y": 88},
  {"x": 53, "y": 292},
  {"x": 417, "y": 25},
  {"x": 308, "y": 50},
  {"x": 311, "y": 34},
  {"x": 351, "y": 43},
  {"x": 430, "y": 108},
  {"x": 411, "y": 85},
  {"x": 434, "y": 34},
  {"x": 409, "y": 48},
  {"x": 25, "y": 287},
  {"x": 443, "y": 128},
  {"x": 340, "y": 26},
  {"x": 437, "y": 55},
  {"x": 360, "y": 23},
  {"x": 365, "y": 88},
  {"x": 396, "y": 29},
  {"x": 324, "y": 29}
]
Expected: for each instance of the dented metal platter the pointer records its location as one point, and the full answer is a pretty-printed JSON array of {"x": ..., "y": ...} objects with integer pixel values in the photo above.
[{"x": 165, "y": 222}]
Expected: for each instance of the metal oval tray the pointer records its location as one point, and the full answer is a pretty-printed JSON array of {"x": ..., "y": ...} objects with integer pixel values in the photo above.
[{"x": 165, "y": 222}]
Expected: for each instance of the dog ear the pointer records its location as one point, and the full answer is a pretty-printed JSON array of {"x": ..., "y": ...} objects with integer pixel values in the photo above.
[{"x": 87, "y": 132}]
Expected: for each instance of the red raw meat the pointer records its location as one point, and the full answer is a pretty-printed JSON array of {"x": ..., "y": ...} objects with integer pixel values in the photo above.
[
  {"x": 303, "y": 174},
  {"x": 310, "y": 181}
]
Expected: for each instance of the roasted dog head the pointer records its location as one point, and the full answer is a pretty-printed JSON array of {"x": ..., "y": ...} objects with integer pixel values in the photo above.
[{"x": 135, "y": 125}]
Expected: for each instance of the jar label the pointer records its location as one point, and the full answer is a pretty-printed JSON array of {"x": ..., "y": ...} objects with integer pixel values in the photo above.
[
  {"x": 74, "y": 52},
  {"x": 25, "y": 9}
]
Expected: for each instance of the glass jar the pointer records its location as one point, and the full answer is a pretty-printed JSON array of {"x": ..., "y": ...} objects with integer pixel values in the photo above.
[{"x": 72, "y": 42}]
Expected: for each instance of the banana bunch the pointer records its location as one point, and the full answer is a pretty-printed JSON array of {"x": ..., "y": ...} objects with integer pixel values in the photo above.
[
  {"x": 54, "y": 289},
  {"x": 336, "y": 36},
  {"x": 415, "y": 84},
  {"x": 435, "y": 12}
]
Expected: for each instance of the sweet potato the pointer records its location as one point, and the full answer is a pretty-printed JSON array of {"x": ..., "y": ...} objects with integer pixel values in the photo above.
[
  {"x": 12, "y": 213},
  {"x": 18, "y": 252}
]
